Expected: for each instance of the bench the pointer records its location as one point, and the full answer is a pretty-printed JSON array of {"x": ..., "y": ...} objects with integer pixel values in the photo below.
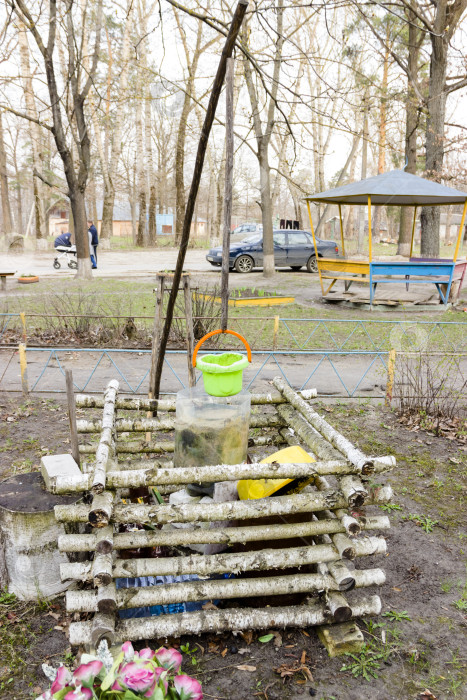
[
  {"x": 438, "y": 272},
  {"x": 3, "y": 276}
]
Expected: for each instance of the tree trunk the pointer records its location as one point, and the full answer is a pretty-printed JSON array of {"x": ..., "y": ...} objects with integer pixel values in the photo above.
[
  {"x": 6, "y": 210},
  {"x": 411, "y": 124},
  {"x": 382, "y": 132},
  {"x": 34, "y": 132},
  {"x": 78, "y": 209},
  {"x": 266, "y": 210},
  {"x": 430, "y": 217}
]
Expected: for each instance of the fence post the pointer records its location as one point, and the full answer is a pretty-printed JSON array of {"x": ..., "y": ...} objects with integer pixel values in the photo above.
[
  {"x": 190, "y": 340},
  {"x": 276, "y": 329},
  {"x": 72, "y": 416},
  {"x": 24, "y": 368},
  {"x": 390, "y": 378},
  {"x": 23, "y": 321}
]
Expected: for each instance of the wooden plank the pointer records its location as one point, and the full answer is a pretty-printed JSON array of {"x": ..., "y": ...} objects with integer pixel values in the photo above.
[
  {"x": 190, "y": 340},
  {"x": 72, "y": 416}
]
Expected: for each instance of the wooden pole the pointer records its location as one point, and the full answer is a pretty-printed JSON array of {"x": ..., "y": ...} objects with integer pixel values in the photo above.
[
  {"x": 314, "y": 243},
  {"x": 202, "y": 145},
  {"x": 190, "y": 340},
  {"x": 413, "y": 230},
  {"x": 461, "y": 229},
  {"x": 72, "y": 416},
  {"x": 156, "y": 336},
  {"x": 369, "y": 228},
  {"x": 342, "y": 230},
  {"x": 390, "y": 379},
  {"x": 23, "y": 363},
  {"x": 229, "y": 149}
]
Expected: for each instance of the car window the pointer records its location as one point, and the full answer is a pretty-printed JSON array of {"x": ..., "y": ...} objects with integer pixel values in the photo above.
[
  {"x": 252, "y": 239},
  {"x": 298, "y": 238},
  {"x": 279, "y": 238}
]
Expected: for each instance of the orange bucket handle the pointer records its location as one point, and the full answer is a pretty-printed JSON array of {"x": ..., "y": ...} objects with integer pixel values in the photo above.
[{"x": 209, "y": 335}]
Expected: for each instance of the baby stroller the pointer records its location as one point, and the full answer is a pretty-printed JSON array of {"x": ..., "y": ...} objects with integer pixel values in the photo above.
[{"x": 69, "y": 253}]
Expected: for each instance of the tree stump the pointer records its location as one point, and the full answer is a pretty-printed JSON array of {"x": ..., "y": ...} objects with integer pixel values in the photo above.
[{"x": 29, "y": 556}]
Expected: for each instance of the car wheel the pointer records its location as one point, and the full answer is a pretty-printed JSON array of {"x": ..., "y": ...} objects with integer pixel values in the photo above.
[
  {"x": 312, "y": 265},
  {"x": 244, "y": 263},
  {"x": 73, "y": 265},
  {"x": 57, "y": 265},
  {"x": 295, "y": 267}
]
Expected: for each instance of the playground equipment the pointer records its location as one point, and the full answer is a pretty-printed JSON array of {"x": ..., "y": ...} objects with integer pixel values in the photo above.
[{"x": 396, "y": 188}]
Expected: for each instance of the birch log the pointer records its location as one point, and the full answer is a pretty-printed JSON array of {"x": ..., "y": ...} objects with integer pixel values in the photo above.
[
  {"x": 213, "y": 473},
  {"x": 231, "y": 535},
  {"x": 204, "y": 565},
  {"x": 312, "y": 439},
  {"x": 101, "y": 627},
  {"x": 106, "y": 447},
  {"x": 106, "y": 599},
  {"x": 365, "y": 464},
  {"x": 103, "y": 540},
  {"x": 89, "y": 401},
  {"x": 220, "y": 620},
  {"x": 351, "y": 524},
  {"x": 338, "y": 606},
  {"x": 101, "y": 509},
  {"x": 127, "y": 425},
  {"x": 191, "y": 591},
  {"x": 101, "y": 569},
  {"x": 238, "y": 510},
  {"x": 353, "y": 490}
]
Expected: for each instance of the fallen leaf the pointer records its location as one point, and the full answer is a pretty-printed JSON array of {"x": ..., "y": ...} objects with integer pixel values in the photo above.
[
  {"x": 243, "y": 651},
  {"x": 247, "y": 636},
  {"x": 303, "y": 657},
  {"x": 399, "y": 590},
  {"x": 305, "y": 633},
  {"x": 223, "y": 653},
  {"x": 277, "y": 639},
  {"x": 266, "y": 638},
  {"x": 427, "y": 695},
  {"x": 245, "y": 667},
  {"x": 210, "y": 606}
]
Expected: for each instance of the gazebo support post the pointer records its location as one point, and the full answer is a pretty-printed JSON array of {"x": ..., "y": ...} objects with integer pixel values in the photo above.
[
  {"x": 316, "y": 249},
  {"x": 342, "y": 230},
  {"x": 369, "y": 227},
  {"x": 461, "y": 228},
  {"x": 413, "y": 230}
]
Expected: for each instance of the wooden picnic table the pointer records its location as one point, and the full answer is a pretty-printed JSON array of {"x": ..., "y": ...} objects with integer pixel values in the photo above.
[{"x": 3, "y": 276}]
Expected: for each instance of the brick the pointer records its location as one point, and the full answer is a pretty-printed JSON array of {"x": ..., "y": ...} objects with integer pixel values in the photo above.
[{"x": 58, "y": 465}]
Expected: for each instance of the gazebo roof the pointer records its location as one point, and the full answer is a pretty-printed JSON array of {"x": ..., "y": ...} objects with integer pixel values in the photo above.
[{"x": 394, "y": 188}]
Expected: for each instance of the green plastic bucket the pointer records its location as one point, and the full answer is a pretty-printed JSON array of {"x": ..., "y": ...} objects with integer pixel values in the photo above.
[{"x": 222, "y": 374}]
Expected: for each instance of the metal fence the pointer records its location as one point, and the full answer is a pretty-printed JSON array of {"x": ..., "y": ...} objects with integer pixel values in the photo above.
[{"x": 344, "y": 358}]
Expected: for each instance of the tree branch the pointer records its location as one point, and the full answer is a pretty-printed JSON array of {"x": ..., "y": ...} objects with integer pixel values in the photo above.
[{"x": 26, "y": 116}]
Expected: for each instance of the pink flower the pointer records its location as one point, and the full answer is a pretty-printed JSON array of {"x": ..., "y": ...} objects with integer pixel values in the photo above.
[
  {"x": 128, "y": 651},
  {"x": 146, "y": 653},
  {"x": 170, "y": 659},
  {"x": 160, "y": 674},
  {"x": 85, "y": 674},
  {"x": 45, "y": 696},
  {"x": 188, "y": 688},
  {"x": 62, "y": 679},
  {"x": 79, "y": 694},
  {"x": 135, "y": 677}
]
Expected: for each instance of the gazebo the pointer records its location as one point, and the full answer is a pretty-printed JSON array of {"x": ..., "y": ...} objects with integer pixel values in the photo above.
[{"x": 396, "y": 188}]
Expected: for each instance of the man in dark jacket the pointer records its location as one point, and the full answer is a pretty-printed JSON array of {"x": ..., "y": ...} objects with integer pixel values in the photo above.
[
  {"x": 94, "y": 239},
  {"x": 63, "y": 239}
]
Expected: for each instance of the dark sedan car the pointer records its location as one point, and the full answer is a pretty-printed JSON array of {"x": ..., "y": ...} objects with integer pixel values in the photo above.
[{"x": 291, "y": 249}]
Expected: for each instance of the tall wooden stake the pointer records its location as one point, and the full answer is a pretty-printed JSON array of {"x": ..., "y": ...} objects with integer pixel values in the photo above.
[
  {"x": 190, "y": 340},
  {"x": 202, "y": 145},
  {"x": 229, "y": 145},
  {"x": 70, "y": 395},
  {"x": 156, "y": 334}
]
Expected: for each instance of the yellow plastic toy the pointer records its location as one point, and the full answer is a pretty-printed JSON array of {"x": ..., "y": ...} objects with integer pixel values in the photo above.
[{"x": 249, "y": 489}]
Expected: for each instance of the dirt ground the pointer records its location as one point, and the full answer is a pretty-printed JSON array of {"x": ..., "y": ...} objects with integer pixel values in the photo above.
[{"x": 418, "y": 645}]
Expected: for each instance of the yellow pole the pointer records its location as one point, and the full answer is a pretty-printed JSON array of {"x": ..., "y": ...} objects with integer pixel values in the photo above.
[
  {"x": 390, "y": 379},
  {"x": 23, "y": 321},
  {"x": 314, "y": 243},
  {"x": 342, "y": 230},
  {"x": 276, "y": 329},
  {"x": 461, "y": 228},
  {"x": 413, "y": 230},
  {"x": 24, "y": 368},
  {"x": 369, "y": 227}
]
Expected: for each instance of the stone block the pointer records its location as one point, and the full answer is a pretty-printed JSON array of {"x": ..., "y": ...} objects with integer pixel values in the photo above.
[
  {"x": 345, "y": 638},
  {"x": 57, "y": 465}
]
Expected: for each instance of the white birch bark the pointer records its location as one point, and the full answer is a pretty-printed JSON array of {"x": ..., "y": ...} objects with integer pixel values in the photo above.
[{"x": 221, "y": 620}]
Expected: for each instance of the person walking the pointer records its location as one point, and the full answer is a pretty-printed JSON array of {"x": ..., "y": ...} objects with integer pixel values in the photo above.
[
  {"x": 91, "y": 251},
  {"x": 94, "y": 240}
]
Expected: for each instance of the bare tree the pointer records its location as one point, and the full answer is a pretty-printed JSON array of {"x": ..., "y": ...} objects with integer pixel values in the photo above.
[{"x": 76, "y": 173}]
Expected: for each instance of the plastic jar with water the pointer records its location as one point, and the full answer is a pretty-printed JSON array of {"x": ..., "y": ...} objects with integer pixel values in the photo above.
[{"x": 211, "y": 429}]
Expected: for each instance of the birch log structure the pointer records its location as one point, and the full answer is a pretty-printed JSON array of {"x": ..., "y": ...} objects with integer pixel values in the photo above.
[{"x": 299, "y": 544}]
